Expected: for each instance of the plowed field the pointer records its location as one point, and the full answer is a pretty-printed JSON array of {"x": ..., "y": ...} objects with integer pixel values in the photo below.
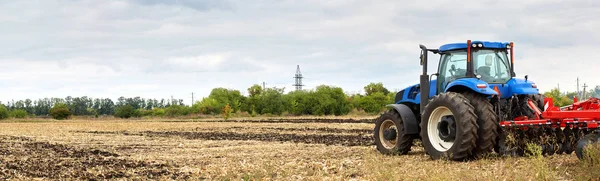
[{"x": 299, "y": 149}]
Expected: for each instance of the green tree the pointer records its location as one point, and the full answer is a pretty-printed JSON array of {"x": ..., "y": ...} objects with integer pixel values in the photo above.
[
  {"x": 255, "y": 90},
  {"x": 373, "y": 88},
  {"x": 60, "y": 111},
  {"x": 225, "y": 96},
  {"x": 559, "y": 99},
  {"x": 206, "y": 106},
  {"x": 125, "y": 111},
  {"x": 271, "y": 101},
  {"x": 3, "y": 112},
  {"x": 373, "y": 103}
]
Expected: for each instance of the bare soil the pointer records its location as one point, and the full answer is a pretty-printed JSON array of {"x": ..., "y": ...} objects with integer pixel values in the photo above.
[
  {"x": 26, "y": 158},
  {"x": 243, "y": 150}
]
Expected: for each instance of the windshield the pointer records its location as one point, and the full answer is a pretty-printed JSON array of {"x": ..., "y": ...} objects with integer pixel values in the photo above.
[{"x": 492, "y": 65}]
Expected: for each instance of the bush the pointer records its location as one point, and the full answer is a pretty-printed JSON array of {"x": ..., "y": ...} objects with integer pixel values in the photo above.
[
  {"x": 227, "y": 111},
  {"x": 206, "y": 106},
  {"x": 125, "y": 112},
  {"x": 60, "y": 112},
  {"x": 158, "y": 112},
  {"x": 177, "y": 110},
  {"x": 19, "y": 113},
  {"x": 144, "y": 112},
  {"x": 3, "y": 112}
]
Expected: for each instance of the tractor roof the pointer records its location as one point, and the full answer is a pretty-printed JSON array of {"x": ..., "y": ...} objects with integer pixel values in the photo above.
[{"x": 486, "y": 44}]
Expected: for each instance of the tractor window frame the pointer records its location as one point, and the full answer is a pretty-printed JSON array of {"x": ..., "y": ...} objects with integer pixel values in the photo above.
[
  {"x": 503, "y": 65},
  {"x": 442, "y": 68}
]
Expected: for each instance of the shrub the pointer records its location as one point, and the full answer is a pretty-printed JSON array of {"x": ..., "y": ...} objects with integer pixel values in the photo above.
[
  {"x": 177, "y": 110},
  {"x": 226, "y": 111},
  {"x": 125, "y": 111},
  {"x": 3, "y": 112},
  {"x": 158, "y": 112},
  {"x": 144, "y": 112},
  {"x": 60, "y": 112},
  {"x": 91, "y": 111},
  {"x": 207, "y": 106},
  {"x": 19, "y": 113}
]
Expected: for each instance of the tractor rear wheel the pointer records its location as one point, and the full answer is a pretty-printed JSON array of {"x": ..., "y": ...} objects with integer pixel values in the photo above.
[
  {"x": 449, "y": 127},
  {"x": 390, "y": 137},
  {"x": 523, "y": 108},
  {"x": 487, "y": 121},
  {"x": 538, "y": 99}
]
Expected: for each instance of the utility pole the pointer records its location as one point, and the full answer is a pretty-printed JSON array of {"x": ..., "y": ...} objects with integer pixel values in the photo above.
[
  {"x": 192, "y": 99},
  {"x": 578, "y": 93},
  {"x": 584, "y": 92}
]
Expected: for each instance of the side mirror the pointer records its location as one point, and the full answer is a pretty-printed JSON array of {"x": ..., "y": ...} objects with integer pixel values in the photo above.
[{"x": 526, "y": 77}]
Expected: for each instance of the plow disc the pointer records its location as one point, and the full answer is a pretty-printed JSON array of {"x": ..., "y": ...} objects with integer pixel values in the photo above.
[{"x": 558, "y": 130}]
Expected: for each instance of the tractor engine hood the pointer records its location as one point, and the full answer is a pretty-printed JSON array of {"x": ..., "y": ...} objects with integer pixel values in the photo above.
[{"x": 515, "y": 86}]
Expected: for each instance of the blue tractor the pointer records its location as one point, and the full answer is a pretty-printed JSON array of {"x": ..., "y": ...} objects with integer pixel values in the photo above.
[{"x": 456, "y": 114}]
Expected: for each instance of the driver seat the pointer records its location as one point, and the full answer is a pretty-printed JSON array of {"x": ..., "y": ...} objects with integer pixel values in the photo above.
[{"x": 485, "y": 70}]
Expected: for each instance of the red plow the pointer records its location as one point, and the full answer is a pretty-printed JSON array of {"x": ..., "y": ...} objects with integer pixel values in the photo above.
[{"x": 557, "y": 130}]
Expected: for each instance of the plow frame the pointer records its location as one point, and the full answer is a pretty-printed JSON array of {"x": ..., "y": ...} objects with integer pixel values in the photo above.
[{"x": 581, "y": 114}]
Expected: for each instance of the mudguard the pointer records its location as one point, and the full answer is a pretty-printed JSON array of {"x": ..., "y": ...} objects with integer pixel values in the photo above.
[
  {"x": 411, "y": 126},
  {"x": 471, "y": 83},
  {"x": 522, "y": 86}
]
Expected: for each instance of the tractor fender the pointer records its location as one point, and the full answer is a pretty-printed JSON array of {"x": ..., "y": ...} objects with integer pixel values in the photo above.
[
  {"x": 469, "y": 84},
  {"x": 411, "y": 126},
  {"x": 521, "y": 86}
]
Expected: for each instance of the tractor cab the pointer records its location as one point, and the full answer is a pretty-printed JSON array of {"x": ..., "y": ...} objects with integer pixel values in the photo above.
[{"x": 488, "y": 61}]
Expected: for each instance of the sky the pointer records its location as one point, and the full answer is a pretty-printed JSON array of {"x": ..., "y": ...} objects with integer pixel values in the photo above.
[{"x": 158, "y": 49}]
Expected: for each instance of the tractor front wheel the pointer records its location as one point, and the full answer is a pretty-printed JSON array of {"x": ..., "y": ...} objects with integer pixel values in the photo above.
[
  {"x": 449, "y": 127},
  {"x": 390, "y": 137}
]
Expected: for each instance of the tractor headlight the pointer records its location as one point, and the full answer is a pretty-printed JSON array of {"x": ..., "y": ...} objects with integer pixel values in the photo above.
[
  {"x": 480, "y": 45},
  {"x": 508, "y": 46},
  {"x": 474, "y": 45}
]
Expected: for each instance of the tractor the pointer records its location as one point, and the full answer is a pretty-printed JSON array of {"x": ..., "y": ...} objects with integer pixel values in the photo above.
[{"x": 476, "y": 105}]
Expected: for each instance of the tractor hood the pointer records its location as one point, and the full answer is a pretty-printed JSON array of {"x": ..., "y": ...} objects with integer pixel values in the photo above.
[{"x": 515, "y": 86}]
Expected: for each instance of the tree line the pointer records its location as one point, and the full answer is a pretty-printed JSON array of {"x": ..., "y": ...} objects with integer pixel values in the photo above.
[{"x": 323, "y": 100}]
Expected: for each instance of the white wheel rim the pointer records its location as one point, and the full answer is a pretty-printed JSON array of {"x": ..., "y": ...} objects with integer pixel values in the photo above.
[
  {"x": 387, "y": 124},
  {"x": 433, "y": 132}
]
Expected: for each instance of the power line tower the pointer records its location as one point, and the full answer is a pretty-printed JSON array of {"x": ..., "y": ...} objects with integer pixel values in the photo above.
[{"x": 298, "y": 79}]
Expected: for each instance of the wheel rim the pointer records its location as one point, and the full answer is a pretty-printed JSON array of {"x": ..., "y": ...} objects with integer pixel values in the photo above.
[
  {"x": 387, "y": 125},
  {"x": 439, "y": 120}
]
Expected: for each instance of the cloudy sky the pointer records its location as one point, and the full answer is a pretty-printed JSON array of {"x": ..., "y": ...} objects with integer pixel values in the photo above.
[{"x": 158, "y": 49}]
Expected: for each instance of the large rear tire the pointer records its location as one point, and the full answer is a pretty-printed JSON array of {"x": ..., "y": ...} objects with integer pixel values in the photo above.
[
  {"x": 390, "y": 137},
  {"x": 523, "y": 108},
  {"x": 487, "y": 121},
  {"x": 449, "y": 127}
]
